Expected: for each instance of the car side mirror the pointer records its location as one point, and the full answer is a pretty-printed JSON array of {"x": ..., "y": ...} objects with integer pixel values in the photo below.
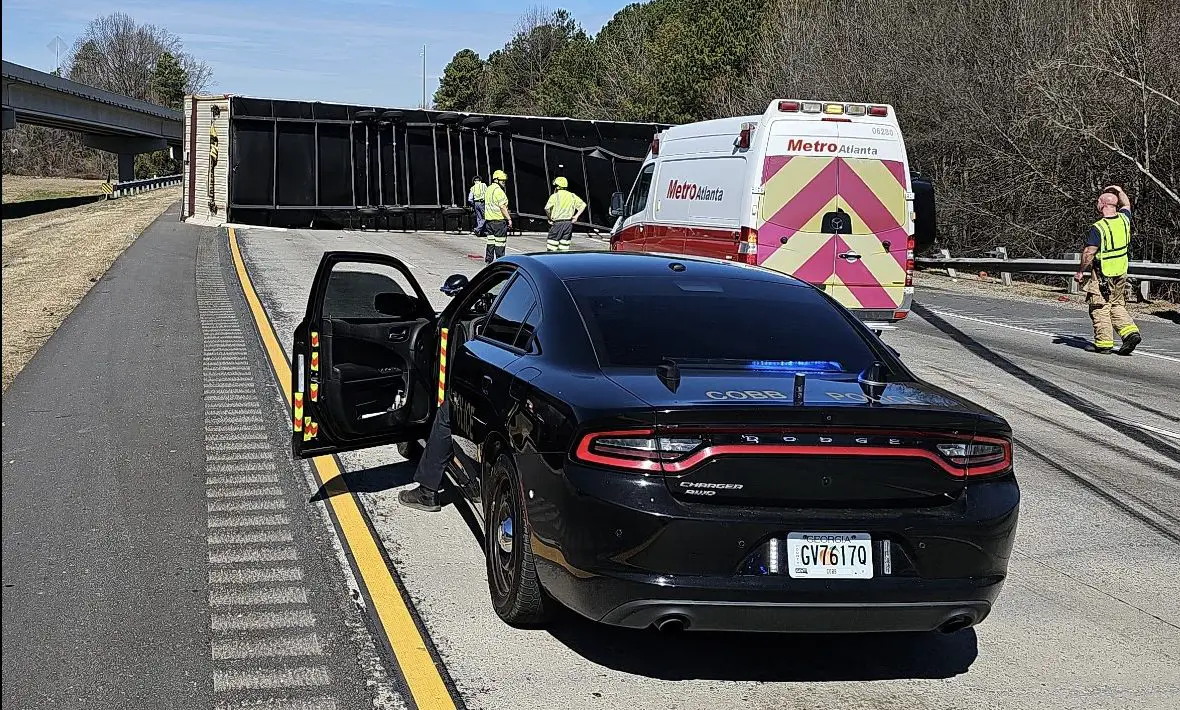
[
  {"x": 398, "y": 305},
  {"x": 925, "y": 224},
  {"x": 454, "y": 284},
  {"x": 616, "y": 204}
]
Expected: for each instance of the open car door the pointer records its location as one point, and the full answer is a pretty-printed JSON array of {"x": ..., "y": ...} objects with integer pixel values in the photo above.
[{"x": 363, "y": 357}]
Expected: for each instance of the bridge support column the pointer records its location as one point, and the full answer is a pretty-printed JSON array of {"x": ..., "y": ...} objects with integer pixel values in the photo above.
[{"x": 126, "y": 148}]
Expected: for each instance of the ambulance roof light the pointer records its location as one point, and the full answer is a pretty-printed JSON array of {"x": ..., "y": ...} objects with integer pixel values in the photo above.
[
  {"x": 788, "y": 106},
  {"x": 855, "y": 109},
  {"x": 834, "y": 108},
  {"x": 811, "y": 107},
  {"x": 880, "y": 111}
]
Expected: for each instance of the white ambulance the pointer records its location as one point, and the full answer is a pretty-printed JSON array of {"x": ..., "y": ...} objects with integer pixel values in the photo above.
[{"x": 820, "y": 190}]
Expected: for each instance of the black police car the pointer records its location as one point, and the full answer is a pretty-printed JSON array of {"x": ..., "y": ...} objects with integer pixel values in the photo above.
[{"x": 671, "y": 442}]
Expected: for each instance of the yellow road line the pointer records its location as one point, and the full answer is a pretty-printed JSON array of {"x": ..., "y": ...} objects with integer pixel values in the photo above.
[{"x": 422, "y": 676}]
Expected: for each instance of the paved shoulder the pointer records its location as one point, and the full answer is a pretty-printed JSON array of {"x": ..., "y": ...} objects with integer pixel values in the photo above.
[{"x": 103, "y": 505}]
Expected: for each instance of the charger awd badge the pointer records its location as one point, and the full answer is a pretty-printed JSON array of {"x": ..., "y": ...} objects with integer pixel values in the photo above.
[{"x": 703, "y": 488}]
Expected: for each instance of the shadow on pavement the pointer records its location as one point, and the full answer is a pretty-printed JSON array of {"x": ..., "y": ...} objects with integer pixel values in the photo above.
[
  {"x": 769, "y": 657},
  {"x": 1072, "y": 341},
  {"x": 369, "y": 480}
]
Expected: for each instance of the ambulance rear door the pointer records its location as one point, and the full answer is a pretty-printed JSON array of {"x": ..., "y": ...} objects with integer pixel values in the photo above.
[
  {"x": 799, "y": 198},
  {"x": 872, "y": 249}
]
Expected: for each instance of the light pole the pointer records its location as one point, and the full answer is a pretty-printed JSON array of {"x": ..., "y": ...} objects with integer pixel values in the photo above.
[{"x": 424, "y": 106}]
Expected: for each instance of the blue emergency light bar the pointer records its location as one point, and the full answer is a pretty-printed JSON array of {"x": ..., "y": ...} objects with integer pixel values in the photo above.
[{"x": 794, "y": 366}]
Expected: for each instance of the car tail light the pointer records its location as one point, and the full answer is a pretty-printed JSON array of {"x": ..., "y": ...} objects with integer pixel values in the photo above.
[
  {"x": 811, "y": 107},
  {"x": 979, "y": 456},
  {"x": 900, "y": 315},
  {"x": 879, "y": 111},
  {"x": 636, "y": 450},
  {"x": 748, "y": 244},
  {"x": 788, "y": 106}
]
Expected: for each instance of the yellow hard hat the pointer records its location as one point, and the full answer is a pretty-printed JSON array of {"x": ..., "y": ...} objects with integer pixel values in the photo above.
[
  {"x": 561, "y": 182},
  {"x": 499, "y": 175}
]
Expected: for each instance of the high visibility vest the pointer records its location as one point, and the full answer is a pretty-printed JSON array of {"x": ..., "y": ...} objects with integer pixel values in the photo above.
[
  {"x": 1116, "y": 237},
  {"x": 563, "y": 205},
  {"x": 493, "y": 199},
  {"x": 478, "y": 190}
]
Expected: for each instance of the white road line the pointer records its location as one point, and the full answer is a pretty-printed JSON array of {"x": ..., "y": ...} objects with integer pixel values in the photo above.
[
  {"x": 267, "y": 647},
  {"x": 255, "y": 575},
  {"x": 240, "y": 456},
  {"x": 285, "y": 553},
  {"x": 290, "y": 704},
  {"x": 230, "y": 445},
  {"x": 235, "y": 435},
  {"x": 241, "y": 506},
  {"x": 229, "y": 425},
  {"x": 242, "y": 479},
  {"x": 224, "y": 680},
  {"x": 245, "y": 492},
  {"x": 262, "y": 620},
  {"x": 985, "y": 321},
  {"x": 249, "y": 521},
  {"x": 248, "y": 537},
  {"x": 1154, "y": 430},
  {"x": 252, "y": 596},
  {"x": 246, "y": 467}
]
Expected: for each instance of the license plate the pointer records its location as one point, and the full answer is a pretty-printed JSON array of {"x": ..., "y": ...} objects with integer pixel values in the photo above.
[{"x": 830, "y": 555}]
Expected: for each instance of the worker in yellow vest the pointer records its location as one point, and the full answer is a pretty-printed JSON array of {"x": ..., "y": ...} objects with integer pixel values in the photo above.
[
  {"x": 475, "y": 199},
  {"x": 1103, "y": 273},
  {"x": 563, "y": 209},
  {"x": 497, "y": 216}
]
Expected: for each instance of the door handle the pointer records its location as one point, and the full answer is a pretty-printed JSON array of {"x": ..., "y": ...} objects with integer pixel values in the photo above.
[
  {"x": 398, "y": 335},
  {"x": 849, "y": 256},
  {"x": 487, "y": 383}
]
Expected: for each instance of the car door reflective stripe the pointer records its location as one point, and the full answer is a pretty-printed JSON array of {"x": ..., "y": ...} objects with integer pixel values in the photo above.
[
  {"x": 442, "y": 364},
  {"x": 298, "y": 406}
]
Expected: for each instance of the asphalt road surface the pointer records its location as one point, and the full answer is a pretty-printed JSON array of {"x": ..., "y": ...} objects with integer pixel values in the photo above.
[
  {"x": 159, "y": 549},
  {"x": 1089, "y": 617}
]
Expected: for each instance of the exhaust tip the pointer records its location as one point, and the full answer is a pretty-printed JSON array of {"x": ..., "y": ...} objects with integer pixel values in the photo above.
[
  {"x": 956, "y": 623},
  {"x": 671, "y": 623}
]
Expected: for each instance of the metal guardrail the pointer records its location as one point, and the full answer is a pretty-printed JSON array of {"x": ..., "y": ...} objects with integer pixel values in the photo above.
[
  {"x": 997, "y": 261},
  {"x": 132, "y": 187}
]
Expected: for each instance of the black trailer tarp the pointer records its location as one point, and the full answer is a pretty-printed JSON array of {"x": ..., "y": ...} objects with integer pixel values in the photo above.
[{"x": 298, "y": 163}]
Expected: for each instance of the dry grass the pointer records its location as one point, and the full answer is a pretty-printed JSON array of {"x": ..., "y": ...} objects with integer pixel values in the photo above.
[
  {"x": 18, "y": 188},
  {"x": 51, "y": 260}
]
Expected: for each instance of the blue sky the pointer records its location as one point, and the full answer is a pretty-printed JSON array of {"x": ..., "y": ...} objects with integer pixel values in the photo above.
[{"x": 348, "y": 51}]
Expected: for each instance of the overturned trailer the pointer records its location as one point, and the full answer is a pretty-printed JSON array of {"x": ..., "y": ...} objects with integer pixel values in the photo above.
[{"x": 296, "y": 163}]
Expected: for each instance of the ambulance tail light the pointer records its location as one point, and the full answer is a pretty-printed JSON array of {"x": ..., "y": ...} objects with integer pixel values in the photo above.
[
  {"x": 743, "y": 141},
  {"x": 748, "y": 245},
  {"x": 909, "y": 262},
  {"x": 788, "y": 106},
  {"x": 879, "y": 111},
  {"x": 655, "y": 145}
]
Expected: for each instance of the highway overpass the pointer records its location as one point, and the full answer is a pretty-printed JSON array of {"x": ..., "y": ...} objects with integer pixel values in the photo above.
[{"x": 108, "y": 121}]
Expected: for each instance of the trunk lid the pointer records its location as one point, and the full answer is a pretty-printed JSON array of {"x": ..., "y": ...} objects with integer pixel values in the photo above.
[{"x": 838, "y": 447}]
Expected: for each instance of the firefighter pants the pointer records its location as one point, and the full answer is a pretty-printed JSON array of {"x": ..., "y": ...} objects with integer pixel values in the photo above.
[
  {"x": 497, "y": 230},
  {"x": 1108, "y": 309},
  {"x": 432, "y": 465},
  {"x": 480, "y": 223},
  {"x": 561, "y": 236}
]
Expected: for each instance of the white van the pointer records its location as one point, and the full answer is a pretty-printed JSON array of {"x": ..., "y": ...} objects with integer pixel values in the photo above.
[{"x": 817, "y": 189}]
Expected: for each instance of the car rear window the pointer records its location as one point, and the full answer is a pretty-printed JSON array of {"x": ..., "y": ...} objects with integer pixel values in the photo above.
[{"x": 640, "y": 321}]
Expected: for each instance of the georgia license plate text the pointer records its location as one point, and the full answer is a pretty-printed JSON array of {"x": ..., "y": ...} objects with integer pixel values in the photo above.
[{"x": 830, "y": 555}]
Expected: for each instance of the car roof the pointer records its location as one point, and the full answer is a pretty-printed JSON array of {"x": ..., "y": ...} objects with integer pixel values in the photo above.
[{"x": 592, "y": 264}]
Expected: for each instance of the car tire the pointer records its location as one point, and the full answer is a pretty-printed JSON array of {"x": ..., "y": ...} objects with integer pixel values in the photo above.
[
  {"x": 516, "y": 591},
  {"x": 410, "y": 450}
]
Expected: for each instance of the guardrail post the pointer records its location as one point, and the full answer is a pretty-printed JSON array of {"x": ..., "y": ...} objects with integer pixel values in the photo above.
[
  {"x": 1145, "y": 287},
  {"x": 1071, "y": 285},
  {"x": 946, "y": 254},
  {"x": 1005, "y": 276}
]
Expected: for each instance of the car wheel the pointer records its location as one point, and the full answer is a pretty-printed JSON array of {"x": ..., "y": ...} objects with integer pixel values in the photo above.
[
  {"x": 410, "y": 450},
  {"x": 512, "y": 575}
]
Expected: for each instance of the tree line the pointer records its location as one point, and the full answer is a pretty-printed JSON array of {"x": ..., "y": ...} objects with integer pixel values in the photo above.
[
  {"x": 117, "y": 54},
  {"x": 1020, "y": 111}
]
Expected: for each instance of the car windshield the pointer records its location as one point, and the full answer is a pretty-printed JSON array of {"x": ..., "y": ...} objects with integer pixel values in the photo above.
[{"x": 712, "y": 322}]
